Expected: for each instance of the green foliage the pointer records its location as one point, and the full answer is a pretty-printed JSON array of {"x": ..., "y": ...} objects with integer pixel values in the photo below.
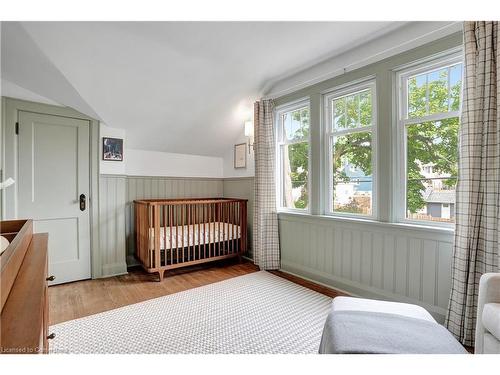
[
  {"x": 298, "y": 154},
  {"x": 354, "y": 149},
  {"x": 434, "y": 141}
]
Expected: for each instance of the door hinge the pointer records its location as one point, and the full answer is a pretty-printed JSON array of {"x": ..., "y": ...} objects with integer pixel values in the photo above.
[{"x": 17, "y": 128}]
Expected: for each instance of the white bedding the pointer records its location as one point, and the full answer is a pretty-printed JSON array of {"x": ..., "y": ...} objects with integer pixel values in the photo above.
[{"x": 208, "y": 233}]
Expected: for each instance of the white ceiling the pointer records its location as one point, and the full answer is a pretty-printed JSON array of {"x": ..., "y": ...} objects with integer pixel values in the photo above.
[{"x": 183, "y": 87}]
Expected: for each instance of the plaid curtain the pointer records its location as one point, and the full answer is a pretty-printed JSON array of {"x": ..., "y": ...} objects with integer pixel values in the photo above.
[
  {"x": 476, "y": 245},
  {"x": 266, "y": 248}
]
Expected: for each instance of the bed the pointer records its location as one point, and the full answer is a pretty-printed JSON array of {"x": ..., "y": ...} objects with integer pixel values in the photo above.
[{"x": 173, "y": 233}]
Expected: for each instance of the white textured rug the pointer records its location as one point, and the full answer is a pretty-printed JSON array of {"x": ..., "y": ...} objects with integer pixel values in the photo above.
[{"x": 254, "y": 313}]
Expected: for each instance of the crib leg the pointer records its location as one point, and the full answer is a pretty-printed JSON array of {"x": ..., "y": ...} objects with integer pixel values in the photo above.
[{"x": 160, "y": 274}]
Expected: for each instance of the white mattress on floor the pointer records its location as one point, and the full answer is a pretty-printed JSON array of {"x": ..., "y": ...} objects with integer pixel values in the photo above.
[{"x": 198, "y": 234}]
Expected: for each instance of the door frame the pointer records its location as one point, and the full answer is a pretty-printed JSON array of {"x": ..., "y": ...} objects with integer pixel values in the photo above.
[{"x": 8, "y": 198}]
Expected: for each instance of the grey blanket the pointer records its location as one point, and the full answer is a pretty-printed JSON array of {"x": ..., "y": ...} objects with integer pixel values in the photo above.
[{"x": 380, "y": 333}]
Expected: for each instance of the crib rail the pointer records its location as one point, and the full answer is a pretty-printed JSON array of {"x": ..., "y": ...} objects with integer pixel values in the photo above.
[{"x": 172, "y": 233}]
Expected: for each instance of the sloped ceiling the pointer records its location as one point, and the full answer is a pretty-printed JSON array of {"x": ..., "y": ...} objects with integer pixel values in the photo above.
[{"x": 184, "y": 87}]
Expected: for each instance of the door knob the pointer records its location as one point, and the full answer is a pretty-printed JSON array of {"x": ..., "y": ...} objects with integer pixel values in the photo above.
[
  {"x": 82, "y": 202},
  {"x": 51, "y": 278},
  {"x": 51, "y": 336}
]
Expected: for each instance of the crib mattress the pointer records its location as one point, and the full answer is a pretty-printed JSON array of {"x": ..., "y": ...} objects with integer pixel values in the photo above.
[{"x": 194, "y": 235}]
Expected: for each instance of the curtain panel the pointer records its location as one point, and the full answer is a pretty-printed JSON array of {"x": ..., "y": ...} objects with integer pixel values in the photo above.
[
  {"x": 266, "y": 250},
  {"x": 476, "y": 244}
]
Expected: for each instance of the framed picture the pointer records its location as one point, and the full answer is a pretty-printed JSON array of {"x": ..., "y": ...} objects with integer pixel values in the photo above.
[
  {"x": 240, "y": 155},
  {"x": 112, "y": 149}
]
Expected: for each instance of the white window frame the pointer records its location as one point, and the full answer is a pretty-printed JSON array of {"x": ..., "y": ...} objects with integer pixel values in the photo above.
[
  {"x": 330, "y": 133},
  {"x": 279, "y": 111},
  {"x": 402, "y": 75}
]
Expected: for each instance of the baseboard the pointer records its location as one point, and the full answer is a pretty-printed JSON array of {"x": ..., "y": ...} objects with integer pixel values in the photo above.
[
  {"x": 114, "y": 269},
  {"x": 249, "y": 258},
  {"x": 330, "y": 286},
  {"x": 355, "y": 288},
  {"x": 132, "y": 261}
]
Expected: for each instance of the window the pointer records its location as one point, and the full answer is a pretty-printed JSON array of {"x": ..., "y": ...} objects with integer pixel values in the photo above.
[
  {"x": 429, "y": 105},
  {"x": 350, "y": 137},
  {"x": 293, "y": 156}
]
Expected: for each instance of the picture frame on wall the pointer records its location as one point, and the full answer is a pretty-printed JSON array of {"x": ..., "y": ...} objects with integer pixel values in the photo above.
[
  {"x": 240, "y": 155},
  {"x": 112, "y": 149}
]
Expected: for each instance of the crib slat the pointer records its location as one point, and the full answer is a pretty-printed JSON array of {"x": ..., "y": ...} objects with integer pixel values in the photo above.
[
  {"x": 164, "y": 225},
  {"x": 176, "y": 218},
  {"x": 219, "y": 218},
  {"x": 142, "y": 219},
  {"x": 224, "y": 229},
  {"x": 145, "y": 237},
  {"x": 211, "y": 224},
  {"x": 189, "y": 232},
  {"x": 228, "y": 233},
  {"x": 244, "y": 227},
  {"x": 188, "y": 214},
  {"x": 233, "y": 227},
  {"x": 204, "y": 232},
  {"x": 199, "y": 226},
  {"x": 170, "y": 224},
  {"x": 156, "y": 223},
  {"x": 223, "y": 234},
  {"x": 228, "y": 217},
  {"x": 237, "y": 213},
  {"x": 211, "y": 234},
  {"x": 238, "y": 247},
  {"x": 184, "y": 231},
  {"x": 207, "y": 232},
  {"x": 140, "y": 235}
]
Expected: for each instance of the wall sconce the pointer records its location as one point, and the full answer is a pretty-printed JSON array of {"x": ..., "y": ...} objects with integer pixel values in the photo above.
[{"x": 249, "y": 134}]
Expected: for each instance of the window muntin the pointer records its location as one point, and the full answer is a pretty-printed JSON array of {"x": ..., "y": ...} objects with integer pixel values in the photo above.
[
  {"x": 293, "y": 156},
  {"x": 351, "y": 119},
  {"x": 429, "y": 121}
]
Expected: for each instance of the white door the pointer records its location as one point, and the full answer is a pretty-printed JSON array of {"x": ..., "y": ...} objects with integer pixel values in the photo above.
[{"x": 53, "y": 174}]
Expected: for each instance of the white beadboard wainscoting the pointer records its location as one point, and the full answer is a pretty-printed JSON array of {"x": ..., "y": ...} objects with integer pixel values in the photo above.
[
  {"x": 243, "y": 188},
  {"x": 370, "y": 259},
  {"x": 112, "y": 195}
]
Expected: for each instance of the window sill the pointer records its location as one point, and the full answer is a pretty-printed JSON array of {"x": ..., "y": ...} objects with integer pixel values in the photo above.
[
  {"x": 292, "y": 211},
  {"x": 362, "y": 221}
]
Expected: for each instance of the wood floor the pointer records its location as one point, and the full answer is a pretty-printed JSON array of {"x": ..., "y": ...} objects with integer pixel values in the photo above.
[{"x": 83, "y": 298}]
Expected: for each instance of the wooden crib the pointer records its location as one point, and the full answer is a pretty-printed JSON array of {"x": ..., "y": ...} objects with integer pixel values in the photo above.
[{"x": 173, "y": 233}]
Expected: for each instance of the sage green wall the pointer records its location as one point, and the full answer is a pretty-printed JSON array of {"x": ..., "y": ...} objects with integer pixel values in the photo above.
[
  {"x": 243, "y": 188},
  {"x": 376, "y": 259},
  {"x": 112, "y": 200}
]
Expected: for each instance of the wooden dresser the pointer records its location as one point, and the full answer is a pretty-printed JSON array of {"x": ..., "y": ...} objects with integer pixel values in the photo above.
[{"x": 24, "y": 293}]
